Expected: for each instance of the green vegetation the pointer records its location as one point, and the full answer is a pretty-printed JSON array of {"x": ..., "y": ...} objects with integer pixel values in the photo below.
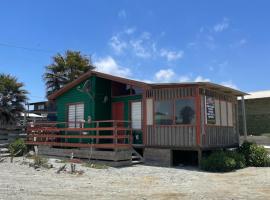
[
  {"x": 64, "y": 69},
  {"x": 12, "y": 98},
  {"x": 255, "y": 156},
  {"x": 223, "y": 161},
  {"x": 17, "y": 148},
  {"x": 248, "y": 154}
]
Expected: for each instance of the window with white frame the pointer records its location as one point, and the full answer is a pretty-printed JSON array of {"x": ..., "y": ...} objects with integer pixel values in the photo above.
[
  {"x": 136, "y": 115},
  {"x": 149, "y": 111},
  {"x": 75, "y": 115},
  {"x": 223, "y": 113}
]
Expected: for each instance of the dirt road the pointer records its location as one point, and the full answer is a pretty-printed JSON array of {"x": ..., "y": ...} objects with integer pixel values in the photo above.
[{"x": 19, "y": 181}]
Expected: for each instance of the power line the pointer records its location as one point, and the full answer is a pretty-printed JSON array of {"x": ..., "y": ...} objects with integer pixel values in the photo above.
[{"x": 26, "y": 48}]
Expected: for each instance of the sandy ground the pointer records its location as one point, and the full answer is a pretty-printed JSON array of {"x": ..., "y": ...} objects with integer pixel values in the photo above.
[{"x": 19, "y": 181}]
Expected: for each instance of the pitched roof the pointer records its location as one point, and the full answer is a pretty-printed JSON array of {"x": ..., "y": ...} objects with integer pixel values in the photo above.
[
  {"x": 88, "y": 74},
  {"x": 141, "y": 84}
]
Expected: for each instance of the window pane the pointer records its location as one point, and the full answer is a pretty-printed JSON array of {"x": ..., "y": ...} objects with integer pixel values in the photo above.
[
  {"x": 223, "y": 107},
  {"x": 217, "y": 110},
  {"x": 185, "y": 111},
  {"x": 149, "y": 111},
  {"x": 136, "y": 115},
  {"x": 163, "y": 112},
  {"x": 230, "y": 114}
]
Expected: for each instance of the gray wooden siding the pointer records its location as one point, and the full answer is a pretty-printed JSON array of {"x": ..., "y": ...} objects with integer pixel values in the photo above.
[
  {"x": 173, "y": 136},
  {"x": 171, "y": 93},
  {"x": 217, "y": 136}
]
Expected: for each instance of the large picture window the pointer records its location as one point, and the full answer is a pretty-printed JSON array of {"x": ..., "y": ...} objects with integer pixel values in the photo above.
[
  {"x": 164, "y": 112},
  {"x": 185, "y": 111}
]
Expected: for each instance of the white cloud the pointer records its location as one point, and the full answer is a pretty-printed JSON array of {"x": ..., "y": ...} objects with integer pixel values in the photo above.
[
  {"x": 109, "y": 66},
  {"x": 122, "y": 14},
  {"x": 239, "y": 43},
  {"x": 130, "y": 31},
  {"x": 117, "y": 45},
  {"x": 139, "y": 49},
  {"x": 141, "y": 45},
  {"x": 229, "y": 84},
  {"x": 171, "y": 55},
  {"x": 165, "y": 75},
  {"x": 184, "y": 78},
  {"x": 201, "y": 79},
  {"x": 222, "y": 25}
]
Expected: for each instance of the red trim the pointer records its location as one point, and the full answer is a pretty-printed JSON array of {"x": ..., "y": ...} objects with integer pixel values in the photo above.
[
  {"x": 77, "y": 136},
  {"x": 81, "y": 145},
  {"x": 198, "y": 116}
]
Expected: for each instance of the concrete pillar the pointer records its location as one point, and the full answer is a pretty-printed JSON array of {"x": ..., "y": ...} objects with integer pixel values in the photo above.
[
  {"x": 244, "y": 117},
  {"x": 158, "y": 157}
]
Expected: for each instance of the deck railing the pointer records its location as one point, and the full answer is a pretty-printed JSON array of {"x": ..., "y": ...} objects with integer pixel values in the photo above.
[{"x": 106, "y": 134}]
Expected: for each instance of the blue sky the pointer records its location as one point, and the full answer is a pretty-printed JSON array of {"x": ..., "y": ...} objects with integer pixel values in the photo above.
[{"x": 225, "y": 42}]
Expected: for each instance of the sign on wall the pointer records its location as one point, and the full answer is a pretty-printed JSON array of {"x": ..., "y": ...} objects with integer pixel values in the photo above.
[{"x": 210, "y": 110}]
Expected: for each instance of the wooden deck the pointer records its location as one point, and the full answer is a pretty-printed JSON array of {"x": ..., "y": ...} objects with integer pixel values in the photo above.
[{"x": 111, "y": 142}]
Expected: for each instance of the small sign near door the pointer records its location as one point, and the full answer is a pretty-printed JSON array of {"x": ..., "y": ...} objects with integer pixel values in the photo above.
[{"x": 210, "y": 110}]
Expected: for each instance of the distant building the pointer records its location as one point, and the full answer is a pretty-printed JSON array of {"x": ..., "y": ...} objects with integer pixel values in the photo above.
[
  {"x": 43, "y": 108},
  {"x": 257, "y": 112}
]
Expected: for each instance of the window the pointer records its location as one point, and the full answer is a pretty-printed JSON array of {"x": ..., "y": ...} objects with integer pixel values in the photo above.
[
  {"x": 149, "y": 111},
  {"x": 136, "y": 115},
  {"x": 185, "y": 111},
  {"x": 230, "y": 114},
  {"x": 223, "y": 114},
  {"x": 164, "y": 112},
  {"x": 41, "y": 107},
  {"x": 75, "y": 114},
  {"x": 217, "y": 111}
]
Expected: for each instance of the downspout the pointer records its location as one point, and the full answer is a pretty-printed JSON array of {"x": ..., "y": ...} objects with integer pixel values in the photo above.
[{"x": 244, "y": 117}]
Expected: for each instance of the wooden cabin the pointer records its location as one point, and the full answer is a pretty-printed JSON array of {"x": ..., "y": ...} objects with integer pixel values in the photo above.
[{"x": 161, "y": 122}]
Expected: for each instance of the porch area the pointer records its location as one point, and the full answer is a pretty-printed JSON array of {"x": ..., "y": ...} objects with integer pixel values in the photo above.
[{"x": 107, "y": 141}]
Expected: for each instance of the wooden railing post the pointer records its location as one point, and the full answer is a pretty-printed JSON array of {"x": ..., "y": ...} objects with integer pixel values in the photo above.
[{"x": 97, "y": 140}]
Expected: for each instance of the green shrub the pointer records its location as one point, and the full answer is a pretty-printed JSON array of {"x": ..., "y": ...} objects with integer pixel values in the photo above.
[
  {"x": 238, "y": 157},
  {"x": 219, "y": 161},
  {"x": 17, "y": 148},
  {"x": 255, "y": 155},
  {"x": 40, "y": 161}
]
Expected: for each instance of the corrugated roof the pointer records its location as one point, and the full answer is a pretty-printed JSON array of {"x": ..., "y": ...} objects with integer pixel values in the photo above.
[{"x": 258, "y": 94}]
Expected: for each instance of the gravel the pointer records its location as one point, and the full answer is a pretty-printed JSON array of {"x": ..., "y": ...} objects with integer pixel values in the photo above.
[{"x": 19, "y": 181}]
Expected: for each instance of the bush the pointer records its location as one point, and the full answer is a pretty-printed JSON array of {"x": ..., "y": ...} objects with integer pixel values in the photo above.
[
  {"x": 17, "y": 148},
  {"x": 238, "y": 157},
  {"x": 221, "y": 161},
  {"x": 255, "y": 155},
  {"x": 40, "y": 161}
]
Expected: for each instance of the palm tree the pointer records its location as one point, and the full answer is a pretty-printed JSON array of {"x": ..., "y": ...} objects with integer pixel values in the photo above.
[
  {"x": 64, "y": 69},
  {"x": 12, "y": 98}
]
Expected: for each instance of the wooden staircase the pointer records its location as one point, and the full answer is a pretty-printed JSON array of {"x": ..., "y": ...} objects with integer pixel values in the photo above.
[
  {"x": 136, "y": 158},
  {"x": 4, "y": 152}
]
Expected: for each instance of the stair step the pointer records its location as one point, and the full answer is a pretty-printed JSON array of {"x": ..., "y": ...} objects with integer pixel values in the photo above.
[
  {"x": 136, "y": 157},
  {"x": 4, "y": 145},
  {"x": 136, "y": 162},
  {"x": 4, "y": 154},
  {"x": 4, "y": 150}
]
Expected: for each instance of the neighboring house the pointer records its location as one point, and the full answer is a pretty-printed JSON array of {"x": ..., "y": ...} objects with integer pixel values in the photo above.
[
  {"x": 46, "y": 109},
  {"x": 257, "y": 112},
  {"x": 165, "y": 118}
]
